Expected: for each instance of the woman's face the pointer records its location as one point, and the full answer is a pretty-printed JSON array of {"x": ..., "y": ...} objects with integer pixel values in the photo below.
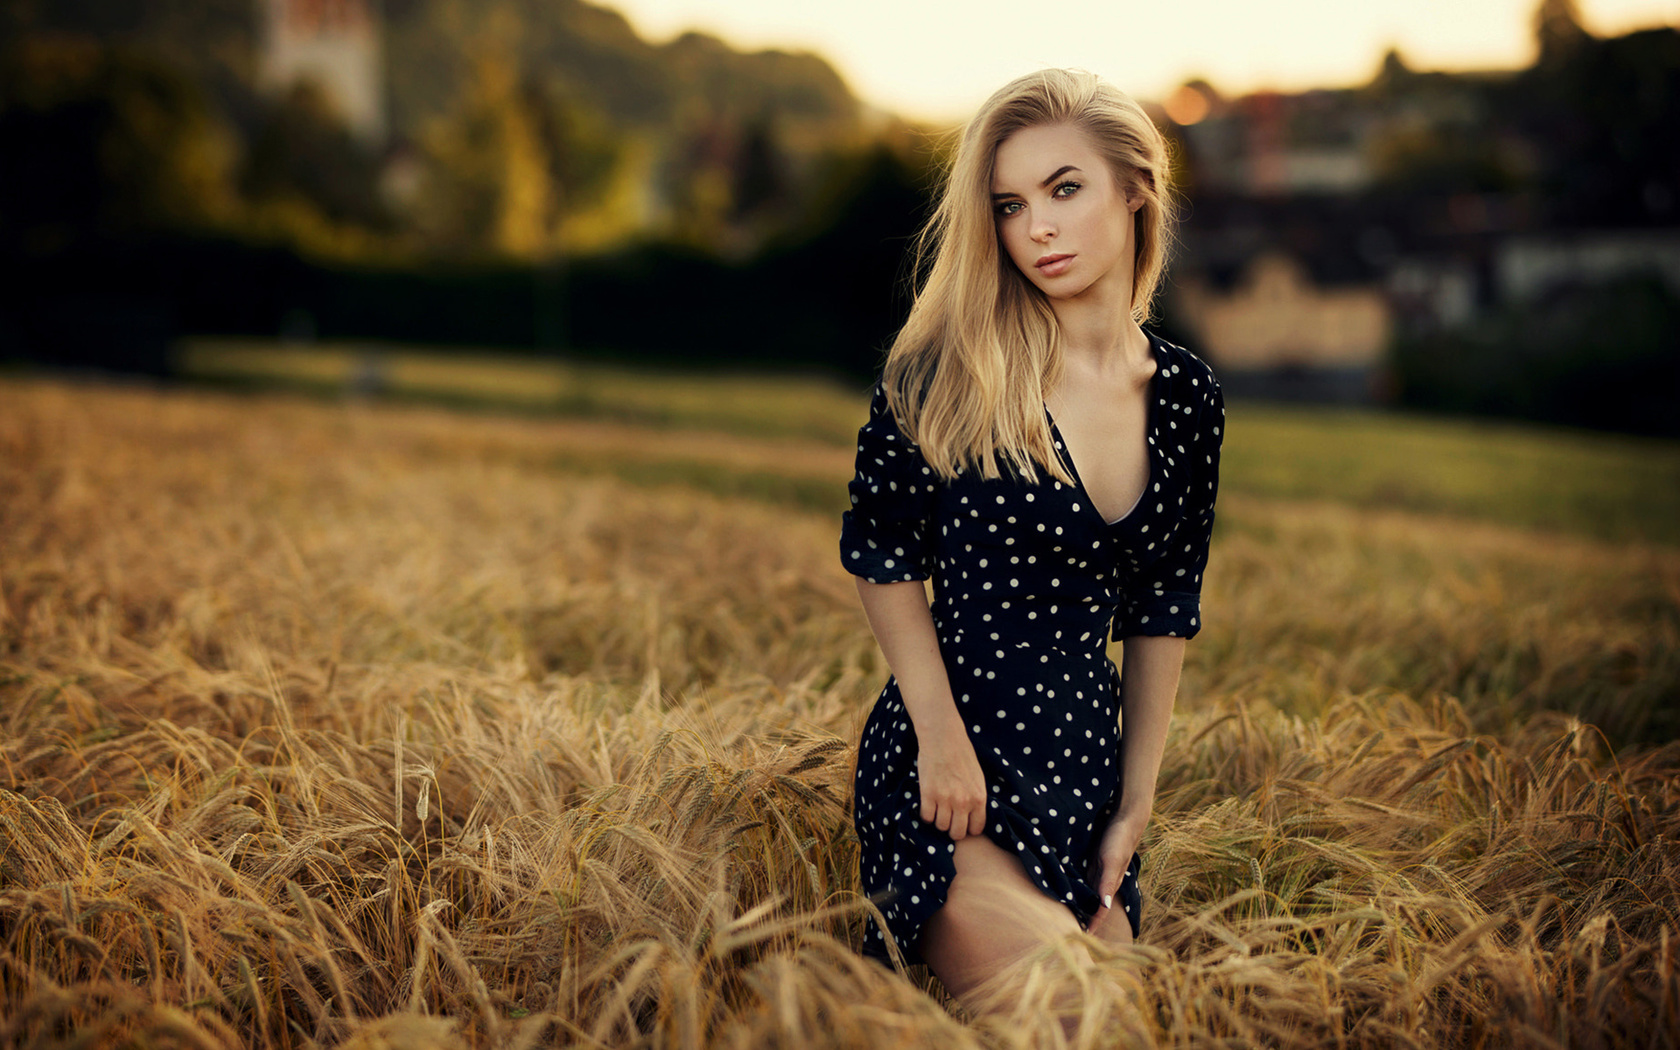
[{"x": 1061, "y": 217}]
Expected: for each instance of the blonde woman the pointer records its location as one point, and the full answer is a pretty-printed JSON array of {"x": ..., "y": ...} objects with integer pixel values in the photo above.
[{"x": 1051, "y": 466}]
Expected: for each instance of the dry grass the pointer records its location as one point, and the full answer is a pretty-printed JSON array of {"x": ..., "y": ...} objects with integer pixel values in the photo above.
[{"x": 386, "y": 728}]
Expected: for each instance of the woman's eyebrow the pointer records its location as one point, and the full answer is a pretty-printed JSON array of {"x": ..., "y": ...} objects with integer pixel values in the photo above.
[{"x": 1058, "y": 173}]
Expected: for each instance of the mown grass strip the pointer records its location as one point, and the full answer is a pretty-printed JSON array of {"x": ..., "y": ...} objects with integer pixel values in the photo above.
[{"x": 1603, "y": 486}]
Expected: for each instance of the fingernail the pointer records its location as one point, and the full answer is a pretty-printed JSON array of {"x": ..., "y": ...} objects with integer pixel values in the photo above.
[{"x": 1108, "y": 900}]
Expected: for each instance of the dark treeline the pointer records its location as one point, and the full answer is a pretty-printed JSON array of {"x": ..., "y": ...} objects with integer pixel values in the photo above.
[
  {"x": 1602, "y": 357},
  {"x": 827, "y": 300}
]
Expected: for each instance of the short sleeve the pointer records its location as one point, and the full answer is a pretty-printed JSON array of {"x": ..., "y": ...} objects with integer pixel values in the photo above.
[
  {"x": 885, "y": 537},
  {"x": 1165, "y": 598}
]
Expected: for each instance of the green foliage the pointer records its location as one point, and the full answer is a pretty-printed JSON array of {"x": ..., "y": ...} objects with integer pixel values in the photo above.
[
  {"x": 504, "y": 164},
  {"x": 302, "y": 153},
  {"x": 523, "y": 128},
  {"x": 720, "y": 144},
  {"x": 102, "y": 138},
  {"x": 796, "y": 88},
  {"x": 209, "y": 40}
]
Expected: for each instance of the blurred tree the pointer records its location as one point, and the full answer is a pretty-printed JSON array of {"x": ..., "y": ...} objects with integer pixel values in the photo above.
[
  {"x": 1433, "y": 135},
  {"x": 100, "y": 139},
  {"x": 697, "y": 181},
  {"x": 487, "y": 186},
  {"x": 211, "y": 42},
  {"x": 689, "y": 138},
  {"x": 844, "y": 280},
  {"x": 583, "y": 151},
  {"x": 747, "y": 141},
  {"x": 1414, "y": 159},
  {"x": 1558, "y": 32},
  {"x": 760, "y": 179},
  {"x": 792, "y": 89},
  {"x": 504, "y": 165},
  {"x": 590, "y": 53},
  {"x": 303, "y": 155},
  {"x": 1582, "y": 138},
  {"x": 1393, "y": 71},
  {"x": 1603, "y": 113}
]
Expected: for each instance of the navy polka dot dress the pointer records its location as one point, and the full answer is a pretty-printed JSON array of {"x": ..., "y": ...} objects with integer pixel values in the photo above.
[{"x": 1029, "y": 584}]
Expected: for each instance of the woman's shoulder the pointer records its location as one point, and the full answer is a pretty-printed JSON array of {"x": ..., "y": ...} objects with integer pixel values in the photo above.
[
  {"x": 1193, "y": 379},
  {"x": 1185, "y": 363}
]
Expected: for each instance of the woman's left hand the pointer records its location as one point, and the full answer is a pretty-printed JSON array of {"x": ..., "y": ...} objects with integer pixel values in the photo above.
[{"x": 1114, "y": 855}]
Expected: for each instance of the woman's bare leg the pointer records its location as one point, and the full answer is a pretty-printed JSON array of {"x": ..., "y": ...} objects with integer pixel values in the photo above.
[
  {"x": 994, "y": 916},
  {"x": 1111, "y": 926}
]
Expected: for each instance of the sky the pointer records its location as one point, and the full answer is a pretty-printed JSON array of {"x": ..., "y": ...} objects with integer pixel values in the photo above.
[{"x": 937, "y": 60}]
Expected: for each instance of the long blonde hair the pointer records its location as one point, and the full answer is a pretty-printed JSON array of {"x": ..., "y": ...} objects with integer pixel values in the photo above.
[{"x": 967, "y": 374}]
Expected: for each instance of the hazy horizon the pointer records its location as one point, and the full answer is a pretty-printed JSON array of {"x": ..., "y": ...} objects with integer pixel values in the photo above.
[{"x": 931, "y": 62}]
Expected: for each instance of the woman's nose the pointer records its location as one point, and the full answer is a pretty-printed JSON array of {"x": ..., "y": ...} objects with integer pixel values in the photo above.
[{"x": 1042, "y": 228}]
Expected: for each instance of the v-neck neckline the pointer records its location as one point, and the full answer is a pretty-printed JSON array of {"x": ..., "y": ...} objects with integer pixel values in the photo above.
[{"x": 1150, "y": 445}]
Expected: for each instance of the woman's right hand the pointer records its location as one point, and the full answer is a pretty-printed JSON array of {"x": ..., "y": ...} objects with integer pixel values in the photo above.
[{"x": 953, "y": 786}]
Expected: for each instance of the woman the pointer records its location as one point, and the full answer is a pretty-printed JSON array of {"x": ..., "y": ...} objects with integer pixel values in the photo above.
[{"x": 1052, "y": 468}]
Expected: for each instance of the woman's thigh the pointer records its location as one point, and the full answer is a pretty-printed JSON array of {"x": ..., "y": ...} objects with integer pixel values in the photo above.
[
  {"x": 1112, "y": 927},
  {"x": 993, "y": 916}
]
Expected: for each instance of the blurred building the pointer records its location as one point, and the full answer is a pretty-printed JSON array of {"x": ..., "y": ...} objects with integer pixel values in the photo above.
[
  {"x": 1269, "y": 144},
  {"x": 1282, "y": 277},
  {"x": 1530, "y": 267},
  {"x": 334, "y": 44},
  {"x": 1329, "y": 233},
  {"x": 1276, "y": 331}
]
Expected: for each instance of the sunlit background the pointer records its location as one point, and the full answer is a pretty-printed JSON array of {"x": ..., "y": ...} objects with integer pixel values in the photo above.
[{"x": 1461, "y": 207}]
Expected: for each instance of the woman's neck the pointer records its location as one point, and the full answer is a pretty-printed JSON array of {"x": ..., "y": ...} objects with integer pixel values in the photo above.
[{"x": 1099, "y": 337}]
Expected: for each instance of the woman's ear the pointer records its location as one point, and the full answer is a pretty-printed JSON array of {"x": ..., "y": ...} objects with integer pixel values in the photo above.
[{"x": 1142, "y": 181}]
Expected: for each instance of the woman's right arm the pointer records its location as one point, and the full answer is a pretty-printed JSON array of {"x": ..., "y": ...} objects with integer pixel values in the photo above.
[{"x": 952, "y": 784}]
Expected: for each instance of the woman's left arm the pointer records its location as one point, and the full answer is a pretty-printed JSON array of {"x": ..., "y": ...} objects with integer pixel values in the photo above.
[
  {"x": 1149, "y": 670},
  {"x": 1161, "y": 613}
]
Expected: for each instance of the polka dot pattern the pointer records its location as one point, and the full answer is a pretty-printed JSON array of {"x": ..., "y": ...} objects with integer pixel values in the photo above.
[{"x": 1029, "y": 584}]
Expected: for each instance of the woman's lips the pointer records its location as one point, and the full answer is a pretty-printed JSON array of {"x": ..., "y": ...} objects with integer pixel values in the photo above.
[{"x": 1053, "y": 264}]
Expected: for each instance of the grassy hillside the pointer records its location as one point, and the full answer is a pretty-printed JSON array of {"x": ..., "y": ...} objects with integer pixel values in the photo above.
[{"x": 377, "y": 724}]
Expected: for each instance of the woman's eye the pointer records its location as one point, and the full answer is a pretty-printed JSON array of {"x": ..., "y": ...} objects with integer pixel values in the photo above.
[
  {"x": 1067, "y": 189},
  {"x": 1007, "y": 208}
]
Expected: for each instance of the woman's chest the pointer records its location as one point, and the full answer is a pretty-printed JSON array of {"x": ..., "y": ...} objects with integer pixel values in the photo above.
[
  {"x": 1102, "y": 432},
  {"x": 986, "y": 523}
]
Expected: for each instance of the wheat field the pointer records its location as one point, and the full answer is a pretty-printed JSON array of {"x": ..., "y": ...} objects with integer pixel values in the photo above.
[{"x": 373, "y": 726}]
